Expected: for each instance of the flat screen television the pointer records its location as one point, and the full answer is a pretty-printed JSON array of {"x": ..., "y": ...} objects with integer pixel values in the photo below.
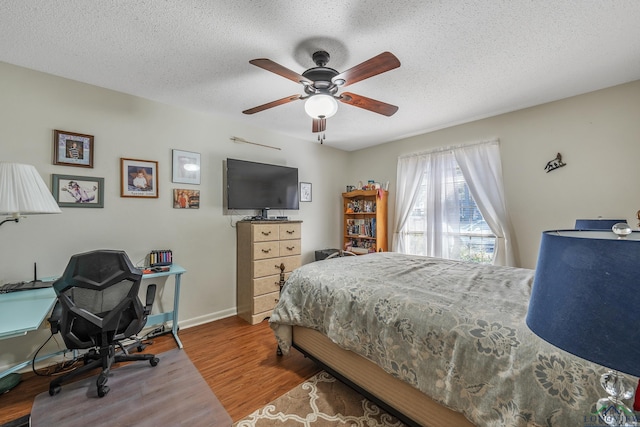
[{"x": 252, "y": 185}]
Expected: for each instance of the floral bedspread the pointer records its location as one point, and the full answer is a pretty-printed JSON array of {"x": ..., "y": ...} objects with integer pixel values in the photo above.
[{"x": 454, "y": 330}]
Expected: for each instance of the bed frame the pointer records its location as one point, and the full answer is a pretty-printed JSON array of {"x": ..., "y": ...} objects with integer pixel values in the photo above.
[{"x": 393, "y": 395}]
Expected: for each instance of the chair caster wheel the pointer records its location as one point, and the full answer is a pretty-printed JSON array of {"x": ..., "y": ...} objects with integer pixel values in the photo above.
[
  {"x": 103, "y": 390},
  {"x": 154, "y": 361},
  {"x": 55, "y": 389}
]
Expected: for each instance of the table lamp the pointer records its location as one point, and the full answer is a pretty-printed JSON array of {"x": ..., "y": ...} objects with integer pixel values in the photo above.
[
  {"x": 596, "y": 224},
  {"x": 586, "y": 300},
  {"x": 23, "y": 192}
]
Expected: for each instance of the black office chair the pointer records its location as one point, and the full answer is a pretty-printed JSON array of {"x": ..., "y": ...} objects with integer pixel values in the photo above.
[{"x": 97, "y": 308}]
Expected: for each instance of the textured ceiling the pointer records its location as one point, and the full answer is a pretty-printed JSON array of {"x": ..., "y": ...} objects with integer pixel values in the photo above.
[{"x": 461, "y": 60}]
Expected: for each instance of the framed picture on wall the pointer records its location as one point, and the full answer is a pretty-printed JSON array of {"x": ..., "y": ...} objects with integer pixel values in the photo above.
[
  {"x": 72, "y": 149},
  {"x": 186, "y": 199},
  {"x": 305, "y": 191},
  {"x": 72, "y": 191},
  {"x": 138, "y": 178},
  {"x": 186, "y": 167}
]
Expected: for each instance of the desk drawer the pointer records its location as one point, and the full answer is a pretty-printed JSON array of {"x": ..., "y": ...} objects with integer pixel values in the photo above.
[{"x": 264, "y": 250}]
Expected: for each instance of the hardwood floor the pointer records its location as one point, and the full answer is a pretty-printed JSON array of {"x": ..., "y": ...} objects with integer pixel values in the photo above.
[{"x": 237, "y": 360}]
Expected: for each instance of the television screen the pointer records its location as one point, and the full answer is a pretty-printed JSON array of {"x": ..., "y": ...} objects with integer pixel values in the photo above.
[{"x": 252, "y": 185}]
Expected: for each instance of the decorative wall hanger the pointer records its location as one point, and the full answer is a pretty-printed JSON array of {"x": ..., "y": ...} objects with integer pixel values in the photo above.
[{"x": 555, "y": 163}]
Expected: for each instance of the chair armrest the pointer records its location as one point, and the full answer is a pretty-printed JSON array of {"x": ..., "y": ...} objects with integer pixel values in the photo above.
[
  {"x": 151, "y": 296},
  {"x": 56, "y": 317}
]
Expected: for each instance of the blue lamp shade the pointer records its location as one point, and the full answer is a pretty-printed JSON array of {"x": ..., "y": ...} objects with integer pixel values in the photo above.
[
  {"x": 596, "y": 224},
  {"x": 586, "y": 296}
]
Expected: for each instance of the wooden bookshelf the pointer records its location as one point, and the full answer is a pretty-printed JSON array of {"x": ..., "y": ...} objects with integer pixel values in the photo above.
[{"x": 364, "y": 224}]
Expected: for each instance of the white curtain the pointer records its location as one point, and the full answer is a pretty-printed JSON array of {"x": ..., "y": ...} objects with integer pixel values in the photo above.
[
  {"x": 482, "y": 169},
  {"x": 408, "y": 177}
]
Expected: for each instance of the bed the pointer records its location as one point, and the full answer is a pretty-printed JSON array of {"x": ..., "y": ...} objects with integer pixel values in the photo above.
[{"x": 437, "y": 342}]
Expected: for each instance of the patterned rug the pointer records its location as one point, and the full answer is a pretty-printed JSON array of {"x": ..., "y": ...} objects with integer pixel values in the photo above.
[{"x": 320, "y": 401}]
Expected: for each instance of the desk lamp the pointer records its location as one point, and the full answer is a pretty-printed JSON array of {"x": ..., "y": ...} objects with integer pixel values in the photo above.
[
  {"x": 23, "y": 192},
  {"x": 586, "y": 300}
]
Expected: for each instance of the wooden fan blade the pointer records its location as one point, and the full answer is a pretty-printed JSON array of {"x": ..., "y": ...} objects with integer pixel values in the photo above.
[
  {"x": 368, "y": 104},
  {"x": 377, "y": 65},
  {"x": 269, "y": 65},
  {"x": 272, "y": 104},
  {"x": 319, "y": 125}
]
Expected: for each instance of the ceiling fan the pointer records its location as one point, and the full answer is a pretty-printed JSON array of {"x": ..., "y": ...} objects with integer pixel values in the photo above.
[{"x": 321, "y": 85}]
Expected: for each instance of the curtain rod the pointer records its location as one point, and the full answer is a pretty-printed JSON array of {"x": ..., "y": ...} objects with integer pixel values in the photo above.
[
  {"x": 236, "y": 139},
  {"x": 450, "y": 147}
]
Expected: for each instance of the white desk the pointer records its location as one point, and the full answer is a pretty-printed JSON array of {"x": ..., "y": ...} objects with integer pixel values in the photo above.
[{"x": 24, "y": 311}]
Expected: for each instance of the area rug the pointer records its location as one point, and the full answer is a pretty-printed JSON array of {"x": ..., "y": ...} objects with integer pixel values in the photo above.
[{"x": 320, "y": 401}]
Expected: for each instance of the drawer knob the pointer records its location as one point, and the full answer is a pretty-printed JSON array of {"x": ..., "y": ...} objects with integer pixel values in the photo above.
[
  {"x": 266, "y": 233},
  {"x": 266, "y": 251},
  {"x": 290, "y": 231},
  {"x": 290, "y": 248},
  {"x": 276, "y": 300}
]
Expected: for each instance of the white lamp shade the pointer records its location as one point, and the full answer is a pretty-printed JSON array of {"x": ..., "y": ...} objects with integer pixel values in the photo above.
[
  {"x": 23, "y": 192},
  {"x": 321, "y": 106}
]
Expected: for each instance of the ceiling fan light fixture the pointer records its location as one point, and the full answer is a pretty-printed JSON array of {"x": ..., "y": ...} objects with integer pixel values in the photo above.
[{"x": 321, "y": 106}]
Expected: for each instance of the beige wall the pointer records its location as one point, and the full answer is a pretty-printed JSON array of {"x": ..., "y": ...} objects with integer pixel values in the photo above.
[
  {"x": 598, "y": 135},
  {"x": 33, "y": 104}
]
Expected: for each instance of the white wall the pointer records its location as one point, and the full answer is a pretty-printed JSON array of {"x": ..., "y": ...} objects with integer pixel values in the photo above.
[
  {"x": 598, "y": 135},
  {"x": 33, "y": 104}
]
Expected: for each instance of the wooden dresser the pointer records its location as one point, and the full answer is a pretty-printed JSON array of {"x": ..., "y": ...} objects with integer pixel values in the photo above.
[{"x": 262, "y": 247}]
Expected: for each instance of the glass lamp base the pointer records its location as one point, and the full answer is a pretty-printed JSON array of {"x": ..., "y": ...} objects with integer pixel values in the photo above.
[{"x": 611, "y": 409}]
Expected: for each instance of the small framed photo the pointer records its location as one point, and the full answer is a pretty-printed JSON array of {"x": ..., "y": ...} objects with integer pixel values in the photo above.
[
  {"x": 138, "y": 178},
  {"x": 78, "y": 191},
  {"x": 72, "y": 149},
  {"x": 305, "y": 191},
  {"x": 186, "y": 199},
  {"x": 186, "y": 167}
]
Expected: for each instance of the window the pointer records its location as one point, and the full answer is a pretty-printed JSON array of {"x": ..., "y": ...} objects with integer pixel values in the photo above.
[
  {"x": 450, "y": 204},
  {"x": 468, "y": 236}
]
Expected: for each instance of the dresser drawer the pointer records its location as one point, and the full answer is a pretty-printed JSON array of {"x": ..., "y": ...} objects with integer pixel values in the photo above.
[
  {"x": 265, "y": 302},
  {"x": 268, "y": 267},
  {"x": 264, "y": 250},
  {"x": 265, "y": 232},
  {"x": 267, "y": 284},
  {"x": 264, "y": 285},
  {"x": 289, "y": 247},
  {"x": 289, "y": 231}
]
